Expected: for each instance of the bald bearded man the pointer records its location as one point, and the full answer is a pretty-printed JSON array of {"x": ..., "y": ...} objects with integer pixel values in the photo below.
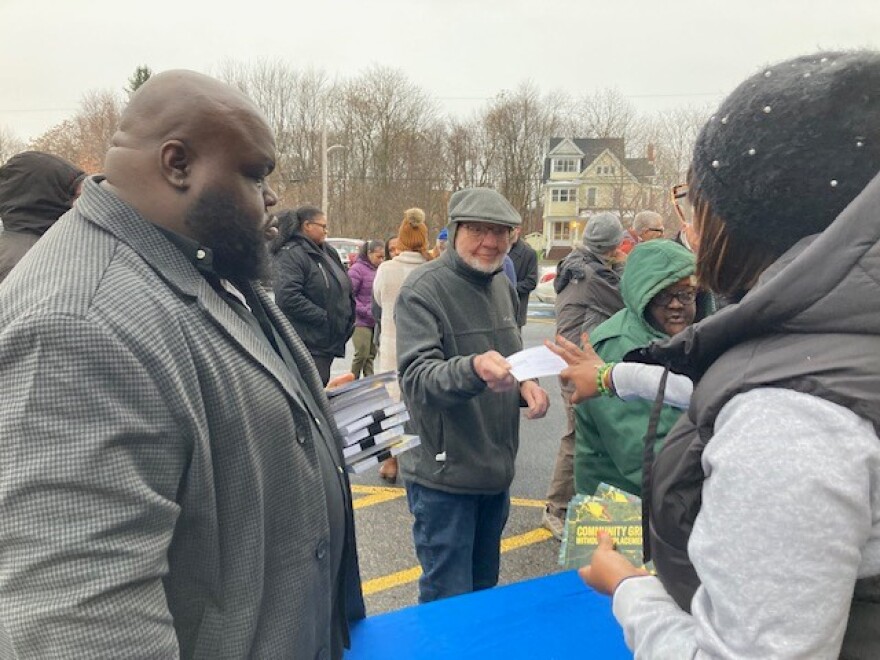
[{"x": 170, "y": 479}]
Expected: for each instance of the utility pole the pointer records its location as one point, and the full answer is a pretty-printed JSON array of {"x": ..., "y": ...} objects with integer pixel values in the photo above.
[{"x": 325, "y": 151}]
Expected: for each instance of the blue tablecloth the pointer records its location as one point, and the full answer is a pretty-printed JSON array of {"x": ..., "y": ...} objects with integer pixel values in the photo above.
[{"x": 549, "y": 617}]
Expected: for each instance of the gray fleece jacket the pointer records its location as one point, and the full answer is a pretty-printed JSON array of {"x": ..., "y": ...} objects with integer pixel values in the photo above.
[{"x": 446, "y": 314}]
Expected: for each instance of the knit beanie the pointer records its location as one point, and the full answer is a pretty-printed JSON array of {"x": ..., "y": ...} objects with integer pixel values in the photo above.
[
  {"x": 413, "y": 233},
  {"x": 603, "y": 232},
  {"x": 792, "y": 146}
]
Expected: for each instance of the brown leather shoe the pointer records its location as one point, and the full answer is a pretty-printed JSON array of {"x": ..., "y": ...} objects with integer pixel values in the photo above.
[{"x": 388, "y": 470}]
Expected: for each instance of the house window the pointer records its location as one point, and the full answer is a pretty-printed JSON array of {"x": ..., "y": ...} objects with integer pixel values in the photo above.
[
  {"x": 563, "y": 195},
  {"x": 565, "y": 164},
  {"x": 561, "y": 231},
  {"x": 591, "y": 197}
]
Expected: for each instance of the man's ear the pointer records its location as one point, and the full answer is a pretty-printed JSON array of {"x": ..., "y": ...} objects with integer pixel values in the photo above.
[{"x": 176, "y": 164}]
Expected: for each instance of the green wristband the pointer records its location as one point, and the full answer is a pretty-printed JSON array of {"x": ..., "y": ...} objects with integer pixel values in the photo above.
[{"x": 600, "y": 379}]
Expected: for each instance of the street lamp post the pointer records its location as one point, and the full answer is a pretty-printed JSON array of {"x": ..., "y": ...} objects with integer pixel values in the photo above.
[{"x": 325, "y": 151}]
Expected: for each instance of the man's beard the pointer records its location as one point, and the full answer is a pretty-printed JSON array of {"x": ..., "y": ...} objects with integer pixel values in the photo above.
[
  {"x": 477, "y": 264},
  {"x": 238, "y": 246}
]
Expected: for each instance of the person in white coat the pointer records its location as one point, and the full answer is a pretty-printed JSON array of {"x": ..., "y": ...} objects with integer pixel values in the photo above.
[{"x": 412, "y": 240}]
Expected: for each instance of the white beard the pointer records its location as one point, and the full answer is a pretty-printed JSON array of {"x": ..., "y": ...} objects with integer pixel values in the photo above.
[{"x": 476, "y": 264}]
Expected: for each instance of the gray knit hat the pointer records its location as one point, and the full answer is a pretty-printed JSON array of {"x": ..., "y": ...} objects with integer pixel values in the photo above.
[
  {"x": 792, "y": 146},
  {"x": 482, "y": 205},
  {"x": 603, "y": 232}
]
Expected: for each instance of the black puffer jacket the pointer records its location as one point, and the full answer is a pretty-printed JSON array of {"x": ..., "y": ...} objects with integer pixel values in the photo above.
[{"x": 314, "y": 292}]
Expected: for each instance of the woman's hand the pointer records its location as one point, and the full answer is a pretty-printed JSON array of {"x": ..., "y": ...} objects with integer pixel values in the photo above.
[
  {"x": 608, "y": 568},
  {"x": 583, "y": 366}
]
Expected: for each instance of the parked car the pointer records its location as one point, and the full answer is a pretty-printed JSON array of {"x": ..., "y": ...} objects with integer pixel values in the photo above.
[
  {"x": 347, "y": 249},
  {"x": 545, "y": 291}
]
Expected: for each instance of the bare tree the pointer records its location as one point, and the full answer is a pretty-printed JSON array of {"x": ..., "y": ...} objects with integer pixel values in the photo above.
[
  {"x": 85, "y": 138},
  {"x": 517, "y": 125},
  {"x": 604, "y": 113},
  {"x": 10, "y": 144},
  {"x": 393, "y": 152},
  {"x": 294, "y": 103},
  {"x": 673, "y": 132}
]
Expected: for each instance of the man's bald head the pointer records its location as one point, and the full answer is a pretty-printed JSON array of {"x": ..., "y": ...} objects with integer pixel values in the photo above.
[
  {"x": 189, "y": 148},
  {"x": 184, "y": 105}
]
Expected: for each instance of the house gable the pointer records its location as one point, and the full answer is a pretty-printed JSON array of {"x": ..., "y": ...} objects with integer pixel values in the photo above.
[{"x": 606, "y": 164}]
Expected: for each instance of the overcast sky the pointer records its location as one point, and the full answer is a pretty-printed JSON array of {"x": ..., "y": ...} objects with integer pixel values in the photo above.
[{"x": 658, "y": 53}]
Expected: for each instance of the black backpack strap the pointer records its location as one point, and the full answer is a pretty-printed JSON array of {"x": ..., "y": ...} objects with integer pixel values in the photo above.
[{"x": 648, "y": 465}]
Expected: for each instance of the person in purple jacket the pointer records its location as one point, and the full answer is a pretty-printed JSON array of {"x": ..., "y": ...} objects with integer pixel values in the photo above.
[{"x": 362, "y": 274}]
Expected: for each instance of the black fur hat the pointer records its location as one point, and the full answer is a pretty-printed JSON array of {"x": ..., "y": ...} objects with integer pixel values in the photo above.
[{"x": 792, "y": 146}]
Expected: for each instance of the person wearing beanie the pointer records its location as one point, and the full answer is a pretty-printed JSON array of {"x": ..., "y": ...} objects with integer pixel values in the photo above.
[
  {"x": 764, "y": 502},
  {"x": 36, "y": 189},
  {"x": 440, "y": 244},
  {"x": 587, "y": 293},
  {"x": 412, "y": 241},
  {"x": 456, "y": 320}
]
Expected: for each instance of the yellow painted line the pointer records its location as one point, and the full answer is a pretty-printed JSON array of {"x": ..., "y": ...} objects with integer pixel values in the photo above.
[
  {"x": 376, "y": 585},
  {"x": 545, "y": 321},
  {"x": 519, "y": 501},
  {"x": 357, "y": 489},
  {"x": 408, "y": 575},
  {"x": 522, "y": 540},
  {"x": 384, "y": 495}
]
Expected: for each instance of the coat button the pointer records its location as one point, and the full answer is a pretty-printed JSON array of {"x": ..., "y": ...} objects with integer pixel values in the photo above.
[
  {"x": 301, "y": 438},
  {"x": 321, "y": 550},
  {"x": 323, "y": 654}
]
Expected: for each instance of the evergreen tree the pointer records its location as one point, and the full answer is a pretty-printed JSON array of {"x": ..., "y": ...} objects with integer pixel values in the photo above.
[{"x": 139, "y": 77}]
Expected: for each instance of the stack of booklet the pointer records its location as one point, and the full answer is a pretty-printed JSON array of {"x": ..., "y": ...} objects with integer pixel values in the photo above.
[{"x": 370, "y": 421}]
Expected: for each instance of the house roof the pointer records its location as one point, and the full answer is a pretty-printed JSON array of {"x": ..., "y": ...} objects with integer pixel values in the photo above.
[{"x": 592, "y": 148}]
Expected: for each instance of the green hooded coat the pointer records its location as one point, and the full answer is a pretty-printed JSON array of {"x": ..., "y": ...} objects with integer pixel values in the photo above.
[{"x": 610, "y": 432}]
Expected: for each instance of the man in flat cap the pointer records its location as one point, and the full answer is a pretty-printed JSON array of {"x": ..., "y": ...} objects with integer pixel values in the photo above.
[
  {"x": 171, "y": 480},
  {"x": 456, "y": 320}
]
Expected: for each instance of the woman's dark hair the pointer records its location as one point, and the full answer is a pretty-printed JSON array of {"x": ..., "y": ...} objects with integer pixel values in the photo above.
[
  {"x": 290, "y": 222},
  {"x": 370, "y": 246},
  {"x": 388, "y": 256},
  {"x": 287, "y": 226},
  {"x": 306, "y": 214},
  {"x": 727, "y": 264}
]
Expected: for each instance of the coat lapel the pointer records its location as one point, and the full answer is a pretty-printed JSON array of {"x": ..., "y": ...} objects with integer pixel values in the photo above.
[
  {"x": 104, "y": 209},
  {"x": 231, "y": 324}
]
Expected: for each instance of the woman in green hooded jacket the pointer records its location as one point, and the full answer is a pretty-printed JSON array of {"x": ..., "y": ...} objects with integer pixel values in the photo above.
[{"x": 659, "y": 294}]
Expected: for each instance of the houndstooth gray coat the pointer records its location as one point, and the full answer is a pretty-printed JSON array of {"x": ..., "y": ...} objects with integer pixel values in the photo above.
[{"x": 159, "y": 485}]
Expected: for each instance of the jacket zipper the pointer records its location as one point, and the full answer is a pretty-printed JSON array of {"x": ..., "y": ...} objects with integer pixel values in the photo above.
[{"x": 326, "y": 281}]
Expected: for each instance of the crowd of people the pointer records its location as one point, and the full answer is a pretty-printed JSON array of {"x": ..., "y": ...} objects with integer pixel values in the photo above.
[{"x": 171, "y": 477}]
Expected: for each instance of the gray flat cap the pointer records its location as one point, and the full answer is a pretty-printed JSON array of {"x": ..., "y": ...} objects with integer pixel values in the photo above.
[{"x": 482, "y": 205}]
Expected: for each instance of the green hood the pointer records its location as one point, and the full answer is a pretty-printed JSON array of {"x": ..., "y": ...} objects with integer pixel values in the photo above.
[{"x": 651, "y": 267}]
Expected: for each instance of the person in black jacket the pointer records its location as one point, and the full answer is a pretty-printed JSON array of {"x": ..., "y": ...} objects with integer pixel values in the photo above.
[
  {"x": 311, "y": 286},
  {"x": 525, "y": 262}
]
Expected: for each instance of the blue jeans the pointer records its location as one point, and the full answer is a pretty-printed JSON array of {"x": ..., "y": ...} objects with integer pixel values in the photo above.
[{"x": 457, "y": 539}]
